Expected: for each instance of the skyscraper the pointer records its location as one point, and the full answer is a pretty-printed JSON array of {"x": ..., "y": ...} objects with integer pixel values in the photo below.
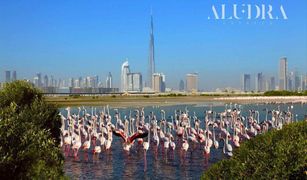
[
  {"x": 71, "y": 82},
  {"x": 290, "y": 81},
  {"x": 302, "y": 83},
  {"x": 246, "y": 82},
  {"x": 163, "y": 85},
  {"x": 124, "y": 71},
  {"x": 88, "y": 82},
  {"x": 95, "y": 81},
  {"x": 259, "y": 82},
  {"x": 14, "y": 78},
  {"x": 7, "y": 76},
  {"x": 151, "y": 59},
  {"x": 134, "y": 81},
  {"x": 192, "y": 82},
  {"x": 35, "y": 81},
  {"x": 181, "y": 85},
  {"x": 157, "y": 82},
  {"x": 109, "y": 81},
  {"x": 39, "y": 79},
  {"x": 80, "y": 85},
  {"x": 296, "y": 81},
  {"x": 283, "y": 74},
  {"x": 46, "y": 81},
  {"x": 271, "y": 84},
  {"x": 52, "y": 81}
]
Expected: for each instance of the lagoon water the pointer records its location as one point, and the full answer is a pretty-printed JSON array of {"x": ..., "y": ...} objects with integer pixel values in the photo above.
[{"x": 116, "y": 164}]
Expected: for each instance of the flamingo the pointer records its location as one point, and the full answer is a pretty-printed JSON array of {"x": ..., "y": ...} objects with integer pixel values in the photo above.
[
  {"x": 228, "y": 146},
  {"x": 67, "y": 143},
  {"x": 172, "y": 143},
  {"x": 146, "y": 146},
  {"x": 76, "y": 144},
  {"x": 215, "y": 142},
  {"x": 108, "y": 142},
  {"x": 185, "y": 144},
  {"x": 87, "y": 144},
  {"x": 232, "y": 126}
]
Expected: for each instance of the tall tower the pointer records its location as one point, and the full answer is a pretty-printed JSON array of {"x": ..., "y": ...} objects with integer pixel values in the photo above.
[
  {"x": 283, "y": 74},
  {"x": 14, "y": 78},
  {"x": 246, "y": 82},
  {"x": 151, "y": 59},
  {"x": 7, "y": 76},
  {"x": 192, "y": 82},
  {"x": 109, "y": 81},
  {"x": 259, "y": 82},
  {"x": 124, "y": 71}
]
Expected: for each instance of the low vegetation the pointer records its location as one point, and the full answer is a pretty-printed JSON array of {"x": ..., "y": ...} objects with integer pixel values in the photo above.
[
  {"x": 29, "y": 134},
  {"x": 278, "y": 154},
  {"x": 171, "y": 95},
  {"x": 285, "y": 93}
]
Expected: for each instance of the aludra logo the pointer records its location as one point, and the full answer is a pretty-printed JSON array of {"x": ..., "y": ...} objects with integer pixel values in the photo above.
[{"x": 248, "y": 12}]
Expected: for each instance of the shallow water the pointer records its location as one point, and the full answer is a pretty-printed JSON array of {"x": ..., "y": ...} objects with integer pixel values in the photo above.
[{"x": 116, "y": 164}]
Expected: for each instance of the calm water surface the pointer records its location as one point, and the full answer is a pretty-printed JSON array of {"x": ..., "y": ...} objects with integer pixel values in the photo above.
[{"x": 116, "y": 164}]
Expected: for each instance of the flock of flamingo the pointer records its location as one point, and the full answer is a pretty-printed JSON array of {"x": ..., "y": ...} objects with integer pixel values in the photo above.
[{"x": 94, "y": 133}]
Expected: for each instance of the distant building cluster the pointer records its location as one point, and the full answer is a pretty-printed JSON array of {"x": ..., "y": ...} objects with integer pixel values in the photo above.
[
  {"x": 71, "y": 85},
  {"x": 290, "y": 81},
  {"x": 130, "y": 82},
  {"x": 155, "y": 82}
]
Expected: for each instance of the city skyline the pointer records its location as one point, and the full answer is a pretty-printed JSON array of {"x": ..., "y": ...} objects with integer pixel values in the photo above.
[
  {"x": 97, "y": 41},
  {"x": 289, "y": 79}
]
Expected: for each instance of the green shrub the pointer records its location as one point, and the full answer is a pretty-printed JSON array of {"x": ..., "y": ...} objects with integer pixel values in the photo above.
[
  {"x": 278, "y": 154},
  {"x": 284, "y": 93},
  {"x": 29, "y": 134},
  {"x": 74, "y": 95}
]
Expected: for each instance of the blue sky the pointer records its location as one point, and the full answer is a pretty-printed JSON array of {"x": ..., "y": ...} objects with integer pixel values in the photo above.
[{"x": 79, "y": 38}]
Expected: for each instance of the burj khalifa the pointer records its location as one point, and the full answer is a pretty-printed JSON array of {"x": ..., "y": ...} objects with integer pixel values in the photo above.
[{"x": 151, "y": 59}]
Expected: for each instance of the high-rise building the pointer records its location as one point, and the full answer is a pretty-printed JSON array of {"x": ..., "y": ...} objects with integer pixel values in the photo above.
[
  {"x": 134, "y": 82},
  {"x": 271, "y": 84},
  {"x": 181, "y": 85},
  {"x": 39, "y": 80},
  {"x": 109, "y": 81},
  {"x": 259, "y": 82},
  {"x": 80, "y": 85},
  {"x": 95, "y": 81},
  {"x": 46, "y": 81},
  {"x": 124, "y": 71},
  {"x": 303, "y": 83},
  {"x": 163, "y": 87},
  {"x": 157, "y": 82},
  {"x": 246, "y": 82},
  {"x": 14, "y": 76},
  {"x": 296, "y": 81},
  {"x": 52, "y": 82},
  {"x": 35, "y": 81},
  {"x": 7, "y": 76},
  {"x": 87, "y": 82},
  {"x": 151, "y": 59},
  {"x": 71, "y": 82},
  {"x": 283, "y": 74},
  {"x": 192, "y": 82}
]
